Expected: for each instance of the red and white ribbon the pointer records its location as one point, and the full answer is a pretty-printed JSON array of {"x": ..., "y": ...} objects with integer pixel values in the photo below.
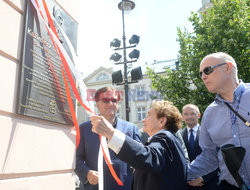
[{"x": 69, "y": 66}]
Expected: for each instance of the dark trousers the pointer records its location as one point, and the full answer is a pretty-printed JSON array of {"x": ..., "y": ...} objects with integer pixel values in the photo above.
[{"x": 224, "y": 185}]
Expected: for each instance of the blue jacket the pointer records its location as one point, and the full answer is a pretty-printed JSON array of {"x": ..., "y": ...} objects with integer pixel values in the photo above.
[
  {"x": 160, "y": 164},
  {"x": 87, "y": 157}
]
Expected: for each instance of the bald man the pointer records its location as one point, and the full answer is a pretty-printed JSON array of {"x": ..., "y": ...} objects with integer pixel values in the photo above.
[
  {"x": 190, "y": 134},
  {"x": 220, "y": 125}
]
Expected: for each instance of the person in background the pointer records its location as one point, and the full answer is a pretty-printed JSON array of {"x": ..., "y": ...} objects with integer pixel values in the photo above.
[
  {"x": 190, "y": 134},
  {"x": 87, "y": 153},
  {"x": 220, "y": 125},
  {"x": 160, "y": 163}
]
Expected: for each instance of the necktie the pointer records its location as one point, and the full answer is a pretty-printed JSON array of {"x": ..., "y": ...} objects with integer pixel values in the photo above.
[{"x": 191, "y": 140}]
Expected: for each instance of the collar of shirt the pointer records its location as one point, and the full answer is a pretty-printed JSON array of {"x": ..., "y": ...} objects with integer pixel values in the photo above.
[
  {"x": 237, "y": 93},
  {"x": 195, "y": 130},
  {"x": 149, "y": 138}
]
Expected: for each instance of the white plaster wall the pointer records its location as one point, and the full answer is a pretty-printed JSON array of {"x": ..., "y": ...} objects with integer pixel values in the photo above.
[
  {"x": 29, "y": 148},
  {"x": 63, "y": 181},
  {"x": 8, "y": 82},
  {"x": 11, "y": 30}
]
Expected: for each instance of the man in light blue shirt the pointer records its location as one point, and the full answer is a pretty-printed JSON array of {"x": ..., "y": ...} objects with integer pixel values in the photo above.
[{"x": 220, "y": 125}]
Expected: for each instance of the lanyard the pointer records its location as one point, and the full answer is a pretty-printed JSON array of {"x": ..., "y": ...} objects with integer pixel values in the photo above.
[
  {"x": 233, "y": 114},
  {"x": 233, "y": 117},
  {"x": 236, "y": 113}
]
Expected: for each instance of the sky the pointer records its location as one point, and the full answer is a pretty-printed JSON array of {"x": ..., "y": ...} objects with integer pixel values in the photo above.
[{"x": 155, "y": 22}]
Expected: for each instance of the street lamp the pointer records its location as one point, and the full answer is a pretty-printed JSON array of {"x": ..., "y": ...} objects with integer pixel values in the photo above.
[{"x": 125, "y": 5}]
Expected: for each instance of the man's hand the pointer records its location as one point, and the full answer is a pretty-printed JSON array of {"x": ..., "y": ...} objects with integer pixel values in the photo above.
[
  {"x": 92, "y": 177},
  {"x": 102, "y": 127},
  {"x": 196, "y": 182}
]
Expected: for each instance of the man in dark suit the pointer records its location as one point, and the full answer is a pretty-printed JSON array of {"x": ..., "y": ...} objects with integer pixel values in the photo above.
[
  {"x": 160, "y": 163},
  {"x": 190, "y": 135},
  {"x": 87, "y": 153}
]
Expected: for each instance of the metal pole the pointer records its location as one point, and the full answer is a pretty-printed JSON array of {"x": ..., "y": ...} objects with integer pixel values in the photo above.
[{"x": 125, "y": 65}]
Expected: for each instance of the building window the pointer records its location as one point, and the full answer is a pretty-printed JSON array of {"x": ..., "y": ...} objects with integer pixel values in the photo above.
[
  {"x": 140, "y": 93},
  {"x": 102, "y": 76},
  {"x": 141, "y": 113}
]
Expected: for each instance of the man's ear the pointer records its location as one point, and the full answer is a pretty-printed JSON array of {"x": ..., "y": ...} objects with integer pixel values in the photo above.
[
  {"x": 199, "y": 115},
  {"x": 229, "y": 67},
  {"x": 97, "y": 105},
  {"x": 163, "y": 121}
]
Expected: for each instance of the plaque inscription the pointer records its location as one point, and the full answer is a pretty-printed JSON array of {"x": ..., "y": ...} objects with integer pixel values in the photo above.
[{"x": 42, "y": 90}]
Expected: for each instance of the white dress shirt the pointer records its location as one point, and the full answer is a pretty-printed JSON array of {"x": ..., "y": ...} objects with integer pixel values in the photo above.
[{"x": 195, "y": 131}]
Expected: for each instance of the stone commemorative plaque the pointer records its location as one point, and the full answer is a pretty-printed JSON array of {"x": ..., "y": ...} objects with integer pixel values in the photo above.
[{"x": 41, "y": 89}]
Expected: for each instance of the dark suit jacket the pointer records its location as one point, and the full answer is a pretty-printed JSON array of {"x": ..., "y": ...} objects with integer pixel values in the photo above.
[
  {"x": 87, "y": 157},
  {"x": 144, "y": 136},
  {"x": 197, "y": 149},
  {"x": 160, "y": 164},
  {"x": 210, "y": 179}
]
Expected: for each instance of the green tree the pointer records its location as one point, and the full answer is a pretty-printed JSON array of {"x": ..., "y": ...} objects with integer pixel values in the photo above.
[{"x": 223, "y": 28}]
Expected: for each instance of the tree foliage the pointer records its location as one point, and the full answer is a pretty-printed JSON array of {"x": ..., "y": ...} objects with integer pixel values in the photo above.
[{"x": 223, "y": 28}]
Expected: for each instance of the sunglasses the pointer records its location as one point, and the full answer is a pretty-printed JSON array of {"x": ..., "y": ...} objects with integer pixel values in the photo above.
[
  {"x": 107, "y": 100},
  {"x": 210, "y": 69}
]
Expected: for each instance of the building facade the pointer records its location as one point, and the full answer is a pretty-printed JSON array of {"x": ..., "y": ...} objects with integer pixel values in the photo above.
[{"x": 206, "y": 4}]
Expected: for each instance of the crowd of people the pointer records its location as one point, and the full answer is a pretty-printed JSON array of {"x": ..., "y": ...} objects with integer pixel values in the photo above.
[{"x": 170, "y": 157}]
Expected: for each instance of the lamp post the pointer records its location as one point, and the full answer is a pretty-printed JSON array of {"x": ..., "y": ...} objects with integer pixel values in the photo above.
[
  {"x": 121, "y": 6},
  {"x": 126, "y": 5}
]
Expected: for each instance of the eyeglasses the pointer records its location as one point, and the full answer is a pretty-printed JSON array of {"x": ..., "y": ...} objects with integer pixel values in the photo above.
[
  {"x": 107, "y": 100},
  {"x": 210, "y": 69}
]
